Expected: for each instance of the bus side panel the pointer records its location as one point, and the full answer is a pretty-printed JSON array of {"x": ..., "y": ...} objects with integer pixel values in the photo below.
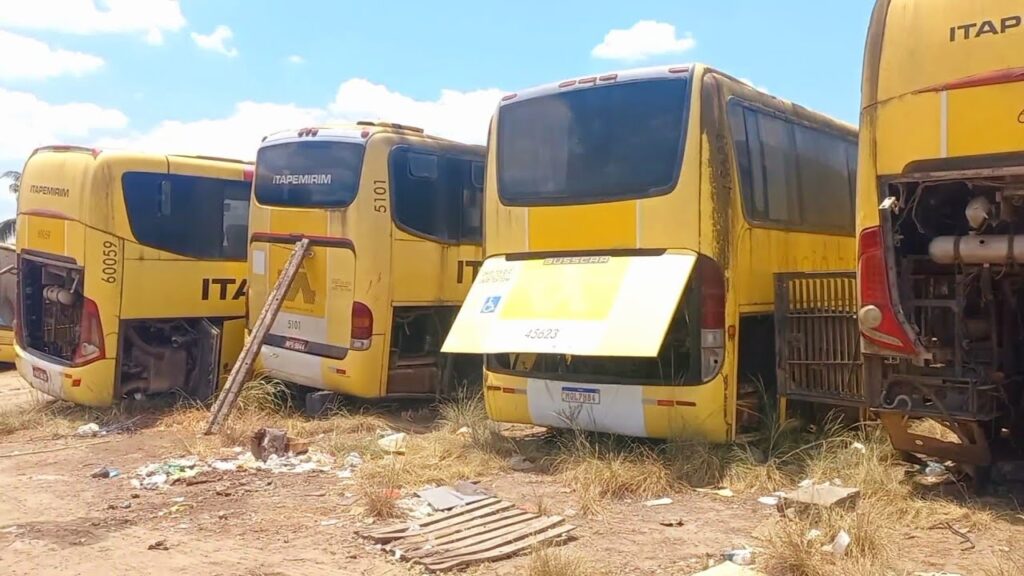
[
  {"x": 431, "y": 273},
  {"x": 199, "y": 289}
]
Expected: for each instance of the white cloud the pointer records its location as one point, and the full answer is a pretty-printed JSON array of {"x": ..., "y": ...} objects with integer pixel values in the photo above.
[
  {"x": 235, "y": 136},
  {"x": 151, "y": 18},
  {"x": 29, "y": 122},
  {"x": 462, "y": 116},
  {"x": 296, "y": 59},
  {"x": 31, "y": 59},
  {"x": 750, "y": 83},
  {"x": 645, "y": 39},
  {"x": 216, "y": 41}
]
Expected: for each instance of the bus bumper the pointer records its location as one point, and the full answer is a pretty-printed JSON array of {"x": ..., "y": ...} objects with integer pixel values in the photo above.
[
  {"x": 90, "y": 385},
  {"x": 360, "y": 373}
]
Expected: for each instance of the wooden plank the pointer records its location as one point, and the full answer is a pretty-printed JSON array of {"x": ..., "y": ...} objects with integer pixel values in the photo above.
[
  {"x": 469, "y": 528},
  {"x": 405, "y": 526},
  {"x": 444, "y": 524},
  {"x": 499, "y": 538},
  {"x": 450, "y": 562},
  {"x": 240, "y": 371},
  {"x": 434, "y": 547}
]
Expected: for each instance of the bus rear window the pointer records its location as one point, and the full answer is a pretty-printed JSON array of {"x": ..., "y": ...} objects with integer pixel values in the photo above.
[
  {"x": 192, "y": 216},
  {"x": 311, "y": 173},
  {"x": 605, "y": 143}
]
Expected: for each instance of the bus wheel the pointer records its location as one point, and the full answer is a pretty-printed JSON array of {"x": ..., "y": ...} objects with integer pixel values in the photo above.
[{"x": 321, "y": 403}]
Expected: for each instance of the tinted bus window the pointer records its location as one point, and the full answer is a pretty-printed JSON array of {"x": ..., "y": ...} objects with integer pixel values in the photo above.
[
  {"x": 437, "y": 195},
  {"x": 310, "y": 173},
  {"x": 592, "y": 144},
  {"x": 191, "y": 216},
  {"x": 793, "y": 175}
]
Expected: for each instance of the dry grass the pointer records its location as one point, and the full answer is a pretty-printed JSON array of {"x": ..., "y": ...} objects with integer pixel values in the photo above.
[
  {"x": 547, "y": 561},
  {"x": 599, "y": 468},
  {"x": 1005, "y": 564},
  {"x": 379, "y": 488}
]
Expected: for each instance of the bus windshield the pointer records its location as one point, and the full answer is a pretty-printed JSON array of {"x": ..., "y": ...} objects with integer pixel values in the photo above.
[
  {"x": 311, "y": 173},
  {"x": 606, "y": 143}
]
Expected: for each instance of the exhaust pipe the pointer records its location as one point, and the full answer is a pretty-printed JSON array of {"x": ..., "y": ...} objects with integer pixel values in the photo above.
[
  {"x": 1001, "y": 249},
  {"x": 59, "y": 295}
]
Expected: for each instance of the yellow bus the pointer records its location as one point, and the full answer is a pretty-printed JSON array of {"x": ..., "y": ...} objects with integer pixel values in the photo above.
[
  {"x": 633, "y": 225},
  {"x": 8, "y": 298},
  {"x": 409, "y": 205},
  {"x": 131, "y": 271},
  {"x": 939, "y": 211}
]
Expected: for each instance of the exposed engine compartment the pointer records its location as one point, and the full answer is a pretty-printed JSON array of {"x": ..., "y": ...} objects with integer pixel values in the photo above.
[
  {"x": 52, "y": 308},
  {"x": 416, "y": 364},
  {"x": 959, "y": 272},
  {"x": 160, "y": 356}
]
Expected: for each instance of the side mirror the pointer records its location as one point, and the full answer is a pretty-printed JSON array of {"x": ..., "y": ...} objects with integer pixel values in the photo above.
[{"x": 165, "y": 197}]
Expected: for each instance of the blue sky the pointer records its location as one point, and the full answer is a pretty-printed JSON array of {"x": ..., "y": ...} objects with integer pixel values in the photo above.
[{"x": 213, "y": 76}]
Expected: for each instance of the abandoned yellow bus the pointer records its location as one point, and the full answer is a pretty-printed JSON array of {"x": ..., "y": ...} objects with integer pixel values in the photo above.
[
  {"x": 131, "y": 271},
  {"x": 940, "y": 214},
  {"x": 410, "y": 205},
  {"x": 633, "y": 225},
  {"x": 8, "y": 297}
]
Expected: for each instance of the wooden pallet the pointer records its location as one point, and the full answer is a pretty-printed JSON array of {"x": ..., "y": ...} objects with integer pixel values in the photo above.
[{"x": 484, "y": 531}]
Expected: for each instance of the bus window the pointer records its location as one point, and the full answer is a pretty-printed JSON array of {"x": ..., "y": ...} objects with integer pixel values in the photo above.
[
  {"x": 793, "y": 175},
  {"x": 599, "y": 144},
  {"x": 308, "y": 174},
  {"x": 188, "y": 215},
  {"x": 436, "y": 195}
]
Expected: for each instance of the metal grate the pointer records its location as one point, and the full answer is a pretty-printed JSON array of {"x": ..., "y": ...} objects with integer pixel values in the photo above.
[{"x": 817, "y": 337}]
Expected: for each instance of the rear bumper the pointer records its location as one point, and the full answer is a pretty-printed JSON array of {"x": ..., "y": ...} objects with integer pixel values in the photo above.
[
  {"x": 91, "y": 385},
  {"x": 360, "y": 373}
]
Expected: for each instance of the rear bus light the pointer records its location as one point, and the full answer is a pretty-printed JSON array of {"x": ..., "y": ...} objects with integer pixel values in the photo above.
[
  {"x": 878, "y": 319},
  {"x": 90, "y": 340},
  {"x": 362, "y": 326},
  {"x": 712, "y": 317}
]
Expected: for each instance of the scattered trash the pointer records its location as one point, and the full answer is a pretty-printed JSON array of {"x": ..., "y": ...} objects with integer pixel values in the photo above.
[
  {"x": 88, "y": 430},
  {"x": 805, "y": 483},
  {"x": 329, "y": 522},
  {"x": 106, "y": 472},
  {"x": 825, "y": 495},
  {"x": 934, "y": 469},
  {"x": 463, "y": 430},
  {"x": 840, "y": 544},
  {"x": 393, "y": 443},
  {"x": 162, "y": 474},
  {"x": 658, "y": 502},
  {"x": 122, "y": 505},
  {"x": 159, "y": 545},
  {"x": 414, "y": 507},
  {"x": 671, "y": 522},
  {"x": 723, "y": 492},
  {"x": 154, "y": 482},
  {"x": 813, "y": 534},
  {"x": 353, "y": 460},
  {"x": 859, "y": 447},
  {"x": 445, "y": 498},
  {"x": 741, "y": 557},
  {"x": 769, "y": 500},
  {"x": 520, "y": 464},
  {"x": 729, "y": 569},
  {"x": 471, "y": 489},
  {"x": 267, "y": 442}
]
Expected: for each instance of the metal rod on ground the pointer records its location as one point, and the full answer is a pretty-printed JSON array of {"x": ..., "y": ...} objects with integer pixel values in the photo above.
[{"x": 226, "y": 401}]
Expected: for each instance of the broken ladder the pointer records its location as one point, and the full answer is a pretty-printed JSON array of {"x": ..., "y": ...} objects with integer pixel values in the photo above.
[{"x": 229, "y": 395}]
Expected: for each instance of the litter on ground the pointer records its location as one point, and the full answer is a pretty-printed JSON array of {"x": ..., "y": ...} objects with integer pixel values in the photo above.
[{"x": 162, "y": 474}]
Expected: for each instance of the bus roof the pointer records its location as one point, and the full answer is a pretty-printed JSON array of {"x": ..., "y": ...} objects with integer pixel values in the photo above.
[
  {"x": 97, "y": 152},
  {"x": 668, "y": 71},
  {"x": 352, "y": 131},
  {"x": 935, "y": 45}
]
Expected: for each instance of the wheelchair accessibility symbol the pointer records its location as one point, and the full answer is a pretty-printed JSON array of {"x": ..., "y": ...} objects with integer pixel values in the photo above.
[{"x": 490, "y": 304}]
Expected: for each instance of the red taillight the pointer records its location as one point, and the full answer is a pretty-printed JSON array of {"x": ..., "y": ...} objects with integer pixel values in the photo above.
[
  {"x": 90, "y": 339},
  {"x": 247, "y": 173},
  {"x": 362, "y": 321},
  {"x": 878, "y": 320},
  {"x": 712, "y": 316}
]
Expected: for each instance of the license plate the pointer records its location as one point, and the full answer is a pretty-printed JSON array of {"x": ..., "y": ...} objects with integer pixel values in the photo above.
[
  {"x": 40, "y": 374},
  {"x": 581, "y": 395},
  {"x": 296, "y": 344}
]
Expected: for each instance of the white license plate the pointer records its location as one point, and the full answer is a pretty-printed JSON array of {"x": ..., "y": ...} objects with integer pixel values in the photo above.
[
  {"x": 296, "y": 344},
  {"x": 581, "y": 395}
]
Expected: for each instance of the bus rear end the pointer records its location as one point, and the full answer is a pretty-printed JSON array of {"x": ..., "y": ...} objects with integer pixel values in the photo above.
[
  {"x": 940, "y": 214},
  {"x": 304, "y": 182},
  {"x": 594, "y": 306}
]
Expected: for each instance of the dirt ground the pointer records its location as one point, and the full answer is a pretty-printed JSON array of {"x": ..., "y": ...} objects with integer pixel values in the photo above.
[{"x": 57, "y": 520}]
